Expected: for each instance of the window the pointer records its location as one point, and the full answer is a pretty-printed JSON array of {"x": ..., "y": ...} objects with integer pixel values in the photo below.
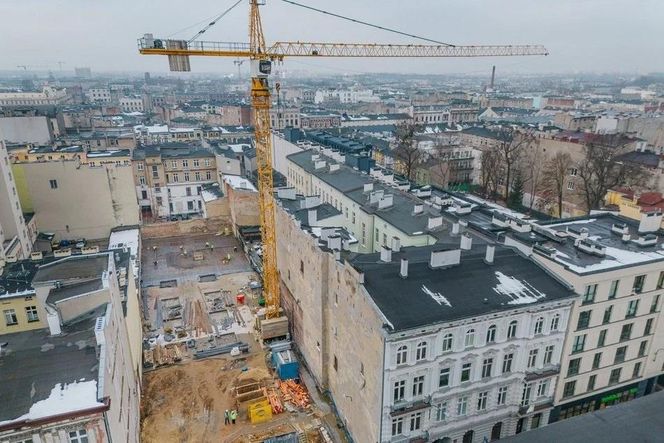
[
  {"x": 532, "y": 358},
  {"x": 543, "y": 388},
  {"x": 418, "y": 385},
  {"x": 591, "y": 382},
  {"x": 607, "y": 315},
  {"x": 507, "y": 363},
  {"x": 447, "y": 342},
  {"x": 397, "y": 426},
  {"x": 336, "y": 363},
  {"x": 416, "y": 421},
  {"x": 511, "y": 329},
  {"x": 573, "y": 368},
  {"x": 190, "y": 205},
  {"x": 602, "y": 338},
  {"x": 176, "y": 178},
  {"x": 481, "y": 400},
  {"x": 614, "y": 289},
  {"x": 155, "y": 171},
  {"x": 568, "y": 389},
  {"x": 53, "y": 184},
  {"x": 10, "y": 317},
  {"x": 196, "y": 163},
  {"x": 421, "y": 351},
  {"x": 539, "y": 325},
  {"x": 470, "y": 338},
  {"x": 639, "y": 280},
  {"x": 487, "y": 365},
  {"x": 462, "y": 405},
  {"x": 620, "y": 355},
  {"x": 444, "y": 378},
  {"x": 597, "y": 360},
  {"x": 502, "y": 395},
  {"x": 441, "y": 411},
  {"x": 631, "y": 308},
  {"x": 31, "y": 313},
  {"x": 589, "y": 295},
  {"x": 399, "y": 390},
  {"x": 207, "y": 162},
  {"x": 615, "y": 376},
  {"x": 188, "y": 191},
  {"x": 465, "y": 372},
  {"x": 636, "y": 370},
  {"x": 525, "y": 396},
  {"x": 208, "y": 175},
  {"x": 573, "y": 172},
  {"x": 79, "y": 436},
  {"x": 402, "y": 355},
  {"x": 570, "y": 186},
  {"x": 197, "y": 176},
  {"x": 185, "y": 163},
  {"x": 548, "y": 354},
  {"x": 141, "y": 179},
  {"x": 579, "y": 343},
  {"x": 660, "y": 280},
  {"x": 186, "y": 176},
  {"x": 648, "y": 329},
  {"x": 584, "y": 320},
  {"x": 626, "y": 332},
  {"x": 653, "y": 305},
  {"x": 491, "y": 334},
  {"x": 139, "y": 166},
  {"x": 535, "y": 421},
  {"x": 301, "y": 267},
  {"x": 555, "y": 322},
  {"x": 642, "y": 348}
]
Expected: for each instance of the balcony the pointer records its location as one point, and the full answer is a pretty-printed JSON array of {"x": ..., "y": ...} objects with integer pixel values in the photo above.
[
  {"x": 404, "y": 407},
  {"x": 548, "y": 371}
]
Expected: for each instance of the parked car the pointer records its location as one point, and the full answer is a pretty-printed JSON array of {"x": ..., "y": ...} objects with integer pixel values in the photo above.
[{"x": 80, "y": 243}]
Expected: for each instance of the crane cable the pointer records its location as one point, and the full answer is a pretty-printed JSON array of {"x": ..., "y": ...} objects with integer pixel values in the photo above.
[
  {"x": 368, "y": 24},
  {"x": 214, "y": 22}
]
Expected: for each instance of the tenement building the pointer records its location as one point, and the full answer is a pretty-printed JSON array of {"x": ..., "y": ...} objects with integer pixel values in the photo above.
[{"x": 613, "y": 351}]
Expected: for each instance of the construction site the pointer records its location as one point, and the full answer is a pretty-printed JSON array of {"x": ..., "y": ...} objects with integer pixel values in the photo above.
[{"x": 203, "y": 353}]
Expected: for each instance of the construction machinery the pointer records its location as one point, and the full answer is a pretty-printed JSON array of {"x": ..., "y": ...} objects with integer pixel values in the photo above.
[{"x": 261, "y": 57}]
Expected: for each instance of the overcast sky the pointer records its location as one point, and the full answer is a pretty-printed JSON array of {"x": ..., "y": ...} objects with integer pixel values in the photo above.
[{"x": 581, "y": 35}]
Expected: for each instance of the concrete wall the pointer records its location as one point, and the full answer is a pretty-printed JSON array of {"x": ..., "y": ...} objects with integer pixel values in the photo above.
[
  {"x": 280, "y": 149},
  {"x": 33, "y": 129},
  {"x": 185, "y": 227},
  {"x": 244, "y": 206},
  {"x": 12, "y": 222},
  {"x": 87, "y": 202},
  {"x": 74, "y": 307}
]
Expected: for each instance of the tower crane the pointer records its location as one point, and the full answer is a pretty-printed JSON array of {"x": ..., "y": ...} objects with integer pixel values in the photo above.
[{"x": 261, "y": 57}]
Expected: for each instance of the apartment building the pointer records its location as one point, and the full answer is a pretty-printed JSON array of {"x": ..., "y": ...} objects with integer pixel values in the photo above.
[
  {"x": 375, "y": 209},
  {"x": 132, "y": 104},
  {"x": 98, "y": 95},
  {"x": 17, "y": 232},
  {"x": 613, "y": 348},
  {"x": 48, "y": 96},
  {"x": 67, "y": 353},
  {"x": 76, "y": 194},
  {"x": 454, "y": 342},
  {"x": 169, "y": 179}
]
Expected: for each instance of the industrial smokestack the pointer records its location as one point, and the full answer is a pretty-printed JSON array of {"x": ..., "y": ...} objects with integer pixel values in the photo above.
[{"x": 493, "y": 77}]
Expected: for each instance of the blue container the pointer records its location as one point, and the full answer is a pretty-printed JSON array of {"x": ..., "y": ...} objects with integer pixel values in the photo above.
[{"x": 286, "y": 365}]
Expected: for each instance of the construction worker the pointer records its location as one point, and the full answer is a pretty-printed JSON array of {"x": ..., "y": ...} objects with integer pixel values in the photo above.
[
  {"x": 227, "y": 417},
  {"x": 233, "y": 416}
]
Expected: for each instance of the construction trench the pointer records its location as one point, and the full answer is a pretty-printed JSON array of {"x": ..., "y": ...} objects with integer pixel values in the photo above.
[{"x": 203, "y": 353}]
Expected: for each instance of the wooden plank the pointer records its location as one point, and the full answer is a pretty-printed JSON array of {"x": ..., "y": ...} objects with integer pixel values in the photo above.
[{"x": 274, "y": 327}]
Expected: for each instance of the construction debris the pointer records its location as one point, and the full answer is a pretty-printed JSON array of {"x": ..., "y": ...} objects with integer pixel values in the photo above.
[{"x": 294, "y": 393}]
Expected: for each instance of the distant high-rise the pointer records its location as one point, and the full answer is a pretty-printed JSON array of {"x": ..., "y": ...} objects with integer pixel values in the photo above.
[
  {"x": 147, "y": 77},
  {"x": 83, "y": 72}
]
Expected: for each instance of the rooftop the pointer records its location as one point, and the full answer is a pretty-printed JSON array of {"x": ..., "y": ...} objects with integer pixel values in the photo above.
[
  {"x": 429, "y": 296},
  {"x": 638, "y": 420},
  {"x": 45, "y": 375}
]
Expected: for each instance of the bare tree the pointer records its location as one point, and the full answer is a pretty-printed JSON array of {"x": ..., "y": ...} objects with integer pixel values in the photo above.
[
  {"x": 406, "y": 150},
  {"x": 531, "y": 167},
  {"x": 510, "y": 147},
  {"x": 553, "y": 179},
  {"x": 490, "y": 171},
  {"x": 603, "y": 169}
]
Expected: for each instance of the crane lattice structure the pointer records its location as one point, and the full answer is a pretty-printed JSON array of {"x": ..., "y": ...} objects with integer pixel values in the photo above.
[{"x": 261, "y": 56}]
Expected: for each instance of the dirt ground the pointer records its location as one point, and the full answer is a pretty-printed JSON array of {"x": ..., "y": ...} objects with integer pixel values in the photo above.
[{"x": 186, "y": 403}]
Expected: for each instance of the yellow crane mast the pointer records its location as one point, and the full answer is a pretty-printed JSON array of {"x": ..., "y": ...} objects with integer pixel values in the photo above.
[{"x": 261, "y": 57}]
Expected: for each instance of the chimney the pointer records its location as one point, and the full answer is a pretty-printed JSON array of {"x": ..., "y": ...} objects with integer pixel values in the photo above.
[
  {"x": 466, "y": 242},
  {"x": 319, "y": 164},
  {"x": 403, "y": 272},
  {"x": 434, "y": 222},
  {"x": 310, "y": 201},
  {"x": 334, "y": 167},
  {"x": 385, "y": 254},
  {"x": 396, "y": 244},
  {"x": 312, "y": 217},
  {"x": 375, "y": 196},
  {"x": 650, "y": 221},
  {"x": 443, "y": 258},
  {"x": 626, "y": 237},
  {"x": 490, "y": 251},
  {"x": 286, "y": 193},
  {"x": 53, "y": 320},
  {"x": 418, "y": 209},
  {"x": 337, "y": 254},
  {"x": 455, "y": 228},
  {"x": 334, "y": 241},
  {"x": 493, "y": 76},
  {"x": 386, "y": 202},
  {"x": 368, "y": 187}
]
